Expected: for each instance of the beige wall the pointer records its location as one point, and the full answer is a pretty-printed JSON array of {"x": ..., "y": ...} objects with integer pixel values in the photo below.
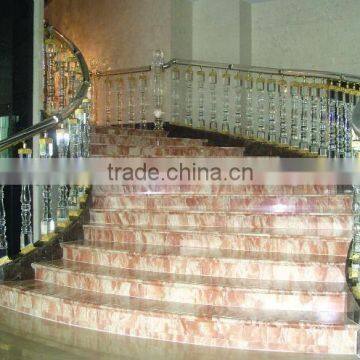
[
  {"x": 222, "y": 31},
  {"x": 311, "y": 34},
  {"x": 114, "y": 33}
]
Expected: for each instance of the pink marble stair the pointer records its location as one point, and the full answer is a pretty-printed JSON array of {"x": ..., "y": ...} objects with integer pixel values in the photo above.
[
  {"x": 209, "y": 262},
  {"x": 239, "y": 219},
  {"x": 294, "y": 331},
  {"x": 214, "y": 189},
  {"x": 120, "y": 150},
  {"x": 244, "y": 293},
  {"x": 136, "y": 140},
  {"x": 253, "y": 203},
  {"x": 294, "y": 241}
]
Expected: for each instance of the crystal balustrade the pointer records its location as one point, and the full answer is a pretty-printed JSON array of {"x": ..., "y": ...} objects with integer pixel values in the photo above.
[{"x": 65, "y": 133}]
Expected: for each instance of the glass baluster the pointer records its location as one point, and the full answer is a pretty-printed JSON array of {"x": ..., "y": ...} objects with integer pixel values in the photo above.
[
  {"x": 75, "y": 152},
  {"x": 158, "y": 63},
  {"x": 349, "y": 108},
  {"x": 213, "y": 99},
  {"x": 305, "y": 115},
  {"x": 47, "y": 225},
  {"x": 26, "y": 233},
  {"x": 249, "y": 130},
  {"x": 72, "y": 69},
  {"x": 225, "y": 127},
  {"x": 189, "y": 77},
  {"x": 143, "y": 87},
  {"x": 120, "y": 105},
  {"x": 260, "y": 89},
  {"x": 85, "y": 128},
  {"x": 62, "y": 142},
  {"x": 3, "y": 241},
  {"x": 201, "y": 98},
  {"x": 81, "y": 117},
  {"x": 283, "y": 97},
  {"x": 132, "y": 96},
  {"x": 238, "y": 105},
  {"x": 332, "y": 122},
  {"x": 340, "y": 121},
  {"x": 295, "y": 114},
  {"x": 50, "y": 55},
  {"x": 315, "y": 118},
  {"x": 271, "y": 88},
  {"x": 175, "y": 95},
  {"x": 108, "y": 93},
  {"x": 62, "y": 80},
  {"x": 323, "y": 133}
]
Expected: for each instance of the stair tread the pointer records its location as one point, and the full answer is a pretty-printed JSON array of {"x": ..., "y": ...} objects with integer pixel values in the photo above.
[
  {"x": 209, "y": 253},
  {"x": 162, "y": 308},
  {"x": 342, "y": 235},
  {"x": 218, "y": 212},
  {"x": 142, "y": 276}
]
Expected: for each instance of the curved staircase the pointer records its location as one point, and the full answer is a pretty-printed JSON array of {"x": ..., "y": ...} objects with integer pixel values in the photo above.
[{"x": 246, "y": 267}]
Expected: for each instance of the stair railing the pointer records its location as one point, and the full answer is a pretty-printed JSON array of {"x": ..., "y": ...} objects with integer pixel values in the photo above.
[{"x": 65, "y": 132}]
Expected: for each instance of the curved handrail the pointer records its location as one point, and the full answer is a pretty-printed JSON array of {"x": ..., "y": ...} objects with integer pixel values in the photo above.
[{"x": 52, "y": 121}]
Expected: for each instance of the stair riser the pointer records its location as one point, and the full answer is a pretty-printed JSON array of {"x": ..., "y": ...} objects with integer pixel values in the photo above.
[
  {"x": 140, "y": 141},
  {"x": 213, "y": 189},
  {"x": 193, "y": 294},
  {"x": 287, "y": 204},
  {"x": 223, "y": 220},
  {"x": 201, "y": 331},
  {"x": 290, "y": 245},
  {"x": 118, "y": 150},
  {"x": 221, "y": 267}
]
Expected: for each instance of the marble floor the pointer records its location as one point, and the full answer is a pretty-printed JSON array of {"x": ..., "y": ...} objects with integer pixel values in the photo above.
[{"x": 26, "y": 337}]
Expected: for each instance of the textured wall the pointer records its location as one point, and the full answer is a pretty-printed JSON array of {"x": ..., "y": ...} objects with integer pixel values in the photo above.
[
  {"x": 314, "y": 34},
  {"x": 116, "y": 33}
]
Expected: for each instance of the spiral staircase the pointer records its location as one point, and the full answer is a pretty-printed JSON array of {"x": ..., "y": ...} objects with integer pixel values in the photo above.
[{"x": 245, "y": 267}]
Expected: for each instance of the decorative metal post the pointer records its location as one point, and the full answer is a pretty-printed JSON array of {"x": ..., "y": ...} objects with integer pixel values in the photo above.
[
  {"x": 26, "y": 234},
  {"x": 50, "y": 54},
  {"x": 47, "y": 227},
  {"x": 249, "y": 106},
  {"x": 158, "y": 63}
]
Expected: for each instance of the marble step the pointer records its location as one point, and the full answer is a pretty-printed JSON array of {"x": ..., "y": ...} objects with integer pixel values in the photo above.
[
  {"x": 293, "y": 331},
  {"x": 228, "y": 220},
  {"x": 136, "y": 140},
  {"x": 215, "y": 189},
  {"x": 115, "y": 130},
  {"x": 253, "y": 203},
  {"x": 192, "y": 289},
  {"x": 209, "y": 262},
  {"x": 120, "y": 150},
  {"x": 57, "y": 341},
  {"x": 293, "y": 241}
]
